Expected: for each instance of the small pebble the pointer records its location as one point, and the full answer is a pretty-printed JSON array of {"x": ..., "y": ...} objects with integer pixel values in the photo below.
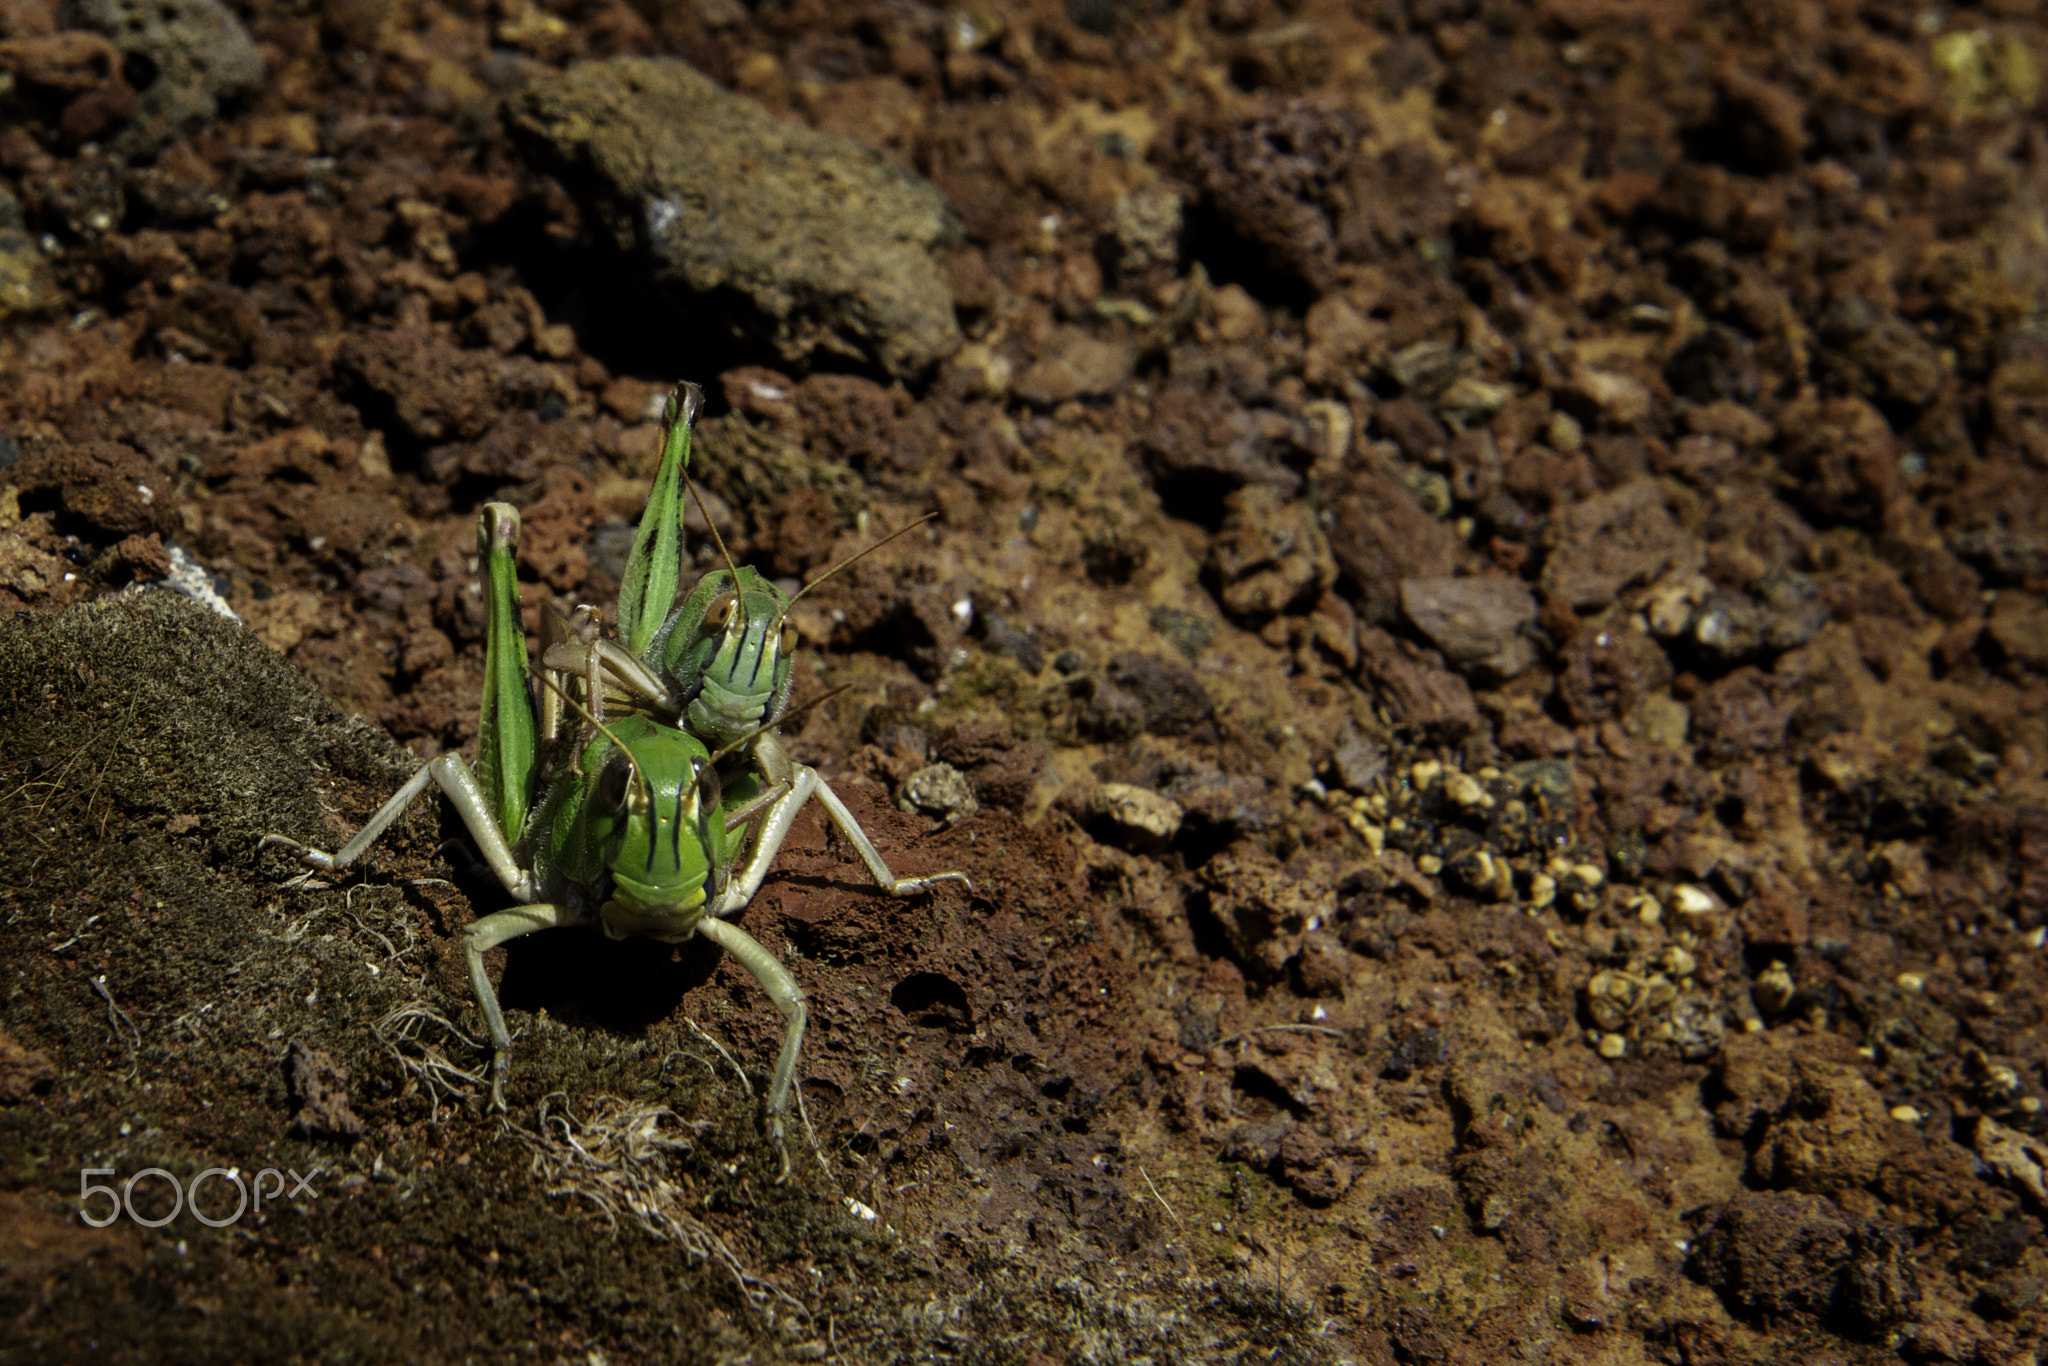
[
  {"x": 1690, "y": 900},
  {"x": 1464, "y": 790},
  {"x": 1906, "y": 1114},
  {"x": 1774, "y": 988},
  {"x": 938, "y": 790},
  {"x": 1374, "y": 837},
  {"x": 1612, "y": 1046},
  {"x": 1138, "y": 809}
]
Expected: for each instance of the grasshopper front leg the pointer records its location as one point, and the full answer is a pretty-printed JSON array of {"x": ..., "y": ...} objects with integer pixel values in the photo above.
[
  {"x": 804, "y": 784},
  {"x": 801, "y": 784},
  {"x": 479, "y": 939},
  {"x": 788, "y": 998}
]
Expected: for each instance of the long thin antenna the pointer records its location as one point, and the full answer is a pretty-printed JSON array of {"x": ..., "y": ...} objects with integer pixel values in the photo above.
[
  {"x": 746, "y": 813},
  {"x": 602, "y": 729},
  {"x": 850, "y": 560},
  {"x": 717, "y": 539},
  {"x": 811, "y": 705},
  {"x": 756, "y": 732}
]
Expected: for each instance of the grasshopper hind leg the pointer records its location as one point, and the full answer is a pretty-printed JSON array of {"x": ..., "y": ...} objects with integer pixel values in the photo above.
[{"x": 460, "y": 786}]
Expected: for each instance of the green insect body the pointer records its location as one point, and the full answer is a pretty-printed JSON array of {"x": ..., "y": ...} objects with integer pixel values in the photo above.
[
  {"x": 609, "y": 807},
  {"x": 726, "y": 652},
  {"x": 643, "y": 809}
]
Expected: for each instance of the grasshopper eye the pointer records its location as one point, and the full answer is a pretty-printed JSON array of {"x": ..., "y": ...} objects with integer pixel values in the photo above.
[
  {"x": 720, "y": 611},
  {"x": 789, "y": 639},
  {"x": 612, "y": 782},
  {"x": 705, "y": 777},
  {"x": 710, "y": 820}
]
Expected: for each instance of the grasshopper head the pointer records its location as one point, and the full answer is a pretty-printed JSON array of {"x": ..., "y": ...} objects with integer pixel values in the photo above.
[
  {"x": 650, "y": 812},
  {"x": 733, "y": 668}
]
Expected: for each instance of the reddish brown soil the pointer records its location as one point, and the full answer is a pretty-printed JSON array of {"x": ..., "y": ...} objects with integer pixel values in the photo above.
[{"x": 1489, "y": 579}]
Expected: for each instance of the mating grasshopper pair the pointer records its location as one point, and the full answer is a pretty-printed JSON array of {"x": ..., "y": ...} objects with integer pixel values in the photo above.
[{"x": 651, "y": 793}]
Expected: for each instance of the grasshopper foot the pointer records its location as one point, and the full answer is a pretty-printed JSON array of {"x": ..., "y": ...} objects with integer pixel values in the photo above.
[
  {"x": 317, "y": 859},
  {"x": 501, "y": 1065},
  {"x": 907, "y": 886}
]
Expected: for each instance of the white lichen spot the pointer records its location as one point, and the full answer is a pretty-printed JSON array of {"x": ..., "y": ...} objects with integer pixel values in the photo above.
[
  {"x": 189, "y": 577},
  {"x": 662, "y": 215}
]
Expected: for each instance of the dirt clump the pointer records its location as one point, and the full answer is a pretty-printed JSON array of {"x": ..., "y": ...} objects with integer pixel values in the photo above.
[{"x": 1780, "y": 1256}]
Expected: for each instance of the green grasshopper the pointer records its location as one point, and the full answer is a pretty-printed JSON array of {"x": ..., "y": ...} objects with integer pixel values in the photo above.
[
  {"x": 627, "y": 823},
  {"x": 719, "y": 666}
]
